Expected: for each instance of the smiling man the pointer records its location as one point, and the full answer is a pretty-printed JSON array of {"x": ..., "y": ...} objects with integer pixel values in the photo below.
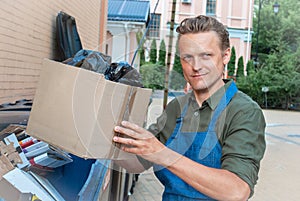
[{"x": 208, "y": 144}]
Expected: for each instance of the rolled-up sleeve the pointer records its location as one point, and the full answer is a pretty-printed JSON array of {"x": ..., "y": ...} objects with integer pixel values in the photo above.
[{"x": 244, "y": 145}]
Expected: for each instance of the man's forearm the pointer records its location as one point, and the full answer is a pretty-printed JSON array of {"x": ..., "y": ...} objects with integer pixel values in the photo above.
[{"x": 219, "y": 184}]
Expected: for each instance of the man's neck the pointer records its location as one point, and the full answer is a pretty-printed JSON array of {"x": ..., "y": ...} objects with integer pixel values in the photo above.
[
  {"x": 204, "y": 94},
  {"x": 201, "y": 96}
]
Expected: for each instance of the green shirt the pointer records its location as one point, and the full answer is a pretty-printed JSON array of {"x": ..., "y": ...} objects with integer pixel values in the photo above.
[{"x": 240, "y": 129}]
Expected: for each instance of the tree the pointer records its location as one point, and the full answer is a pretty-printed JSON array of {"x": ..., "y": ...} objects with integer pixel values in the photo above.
[
  {"x": 141, "y": 50},
  {"x": 277, "y": 31},
  {"x": 177, "y": 81},
  {"x": 162, "y": 53},
  {"x": 250, "y": 67},
  {"x": 153, "y": 52},
  {"x": 278, "y": 52},
  {"x": 240, "y": 68},
  {"x": 142, "y": 56},
  {"x": 231, "y": 63},
  {"x": 177, "y": 64}
]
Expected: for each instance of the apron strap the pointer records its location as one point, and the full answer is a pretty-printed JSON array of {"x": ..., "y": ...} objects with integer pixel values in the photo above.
[{"x": 211, "y": 138}]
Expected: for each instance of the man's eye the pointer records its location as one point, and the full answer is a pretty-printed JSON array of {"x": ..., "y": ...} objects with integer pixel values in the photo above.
[
  {"x": 206, "y": 56},
  {"x": 187, "y": 58}
]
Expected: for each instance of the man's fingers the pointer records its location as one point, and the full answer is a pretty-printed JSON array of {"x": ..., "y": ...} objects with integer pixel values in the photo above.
[
  {"x": 128, "y": 144},
  {"x": 133, "y": 130},
  {"x": 126, "y": 141},
  {"x": 132, "y": 126},
  {"x": 129, "y": 149},
  {"x": 128, "y": 132}
]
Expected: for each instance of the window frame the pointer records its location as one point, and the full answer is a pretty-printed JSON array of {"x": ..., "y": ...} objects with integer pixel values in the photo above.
[
  {"x": 211, "y": 7},
  {"x": 154, "y": 26}
]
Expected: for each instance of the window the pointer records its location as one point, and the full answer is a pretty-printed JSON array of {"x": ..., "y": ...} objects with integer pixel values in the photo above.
[
  {"x": 154, "y": 26},
  {"x": 211, "y": 7},
  {"x": 186, "y": 1}
]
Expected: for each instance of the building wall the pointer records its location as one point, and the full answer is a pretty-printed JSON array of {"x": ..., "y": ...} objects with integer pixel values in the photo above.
[
  {"x": 232, "y": 13},
  {"x": 109, "y": 43},
  {"x": 27, "y": 36},
  {"x": 185, "y": 10},
  {"x": 103, "y": 23},
  {"x": 122, "y": 40}
]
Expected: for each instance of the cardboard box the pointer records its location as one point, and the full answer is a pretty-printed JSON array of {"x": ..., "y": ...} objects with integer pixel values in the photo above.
[
  {"x": 63, "y": 183},
  {"x": 10, "y": 193},
  {"x": 76, "y": 110},
  {"x": 20, "y": 183}
]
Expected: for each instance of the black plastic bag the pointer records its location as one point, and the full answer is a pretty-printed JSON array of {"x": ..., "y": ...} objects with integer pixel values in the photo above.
[
  {"x": 132, "y": 78},
  {"x": 90, "y": 60},
  {"x": 117, "y": 70},
  {"x": 124, "y": 73},
  {"x": 96, "y": 61}
]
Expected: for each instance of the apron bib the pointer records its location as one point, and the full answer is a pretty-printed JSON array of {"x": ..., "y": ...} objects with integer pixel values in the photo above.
[{"x": 202, "y": 147}]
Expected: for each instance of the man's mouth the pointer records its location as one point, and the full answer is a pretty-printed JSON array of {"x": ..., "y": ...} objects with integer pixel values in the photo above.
[{"x": 199, "y": 75}]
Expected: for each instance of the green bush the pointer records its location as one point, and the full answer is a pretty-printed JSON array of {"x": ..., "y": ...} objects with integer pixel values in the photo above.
[
  {"x": 177, "y": 81},
  {"x": 153, "y": 76}
]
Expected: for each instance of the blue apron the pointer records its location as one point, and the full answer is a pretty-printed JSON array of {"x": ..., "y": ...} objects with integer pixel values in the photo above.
[{"x": 202, "y": 147}]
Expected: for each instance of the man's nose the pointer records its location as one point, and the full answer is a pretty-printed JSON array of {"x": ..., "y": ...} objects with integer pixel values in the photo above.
[{"x": 197, "y": 64}]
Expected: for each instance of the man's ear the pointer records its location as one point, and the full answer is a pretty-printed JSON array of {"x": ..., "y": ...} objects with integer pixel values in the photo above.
[{"x": 226, "y": 56}]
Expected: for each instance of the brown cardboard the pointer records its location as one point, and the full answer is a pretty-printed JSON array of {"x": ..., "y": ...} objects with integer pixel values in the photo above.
[
  {"x": 7, "y": 154},
  {"x": 76, "y": 110},
  {"x": 9, "y": 193}
]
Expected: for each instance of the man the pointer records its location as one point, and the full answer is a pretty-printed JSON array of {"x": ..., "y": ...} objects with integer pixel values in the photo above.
[{"x": 208, "y": 143}]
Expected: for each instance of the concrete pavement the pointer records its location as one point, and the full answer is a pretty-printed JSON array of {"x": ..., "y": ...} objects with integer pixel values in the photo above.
[{"x": 279, "y": 176}]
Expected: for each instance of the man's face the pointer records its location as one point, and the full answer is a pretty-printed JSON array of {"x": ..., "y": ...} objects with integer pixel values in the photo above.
[{"x": 202, "y": 60}]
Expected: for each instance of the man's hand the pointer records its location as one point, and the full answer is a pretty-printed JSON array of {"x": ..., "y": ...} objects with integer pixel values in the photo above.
[{"x": 143, "y": 143}]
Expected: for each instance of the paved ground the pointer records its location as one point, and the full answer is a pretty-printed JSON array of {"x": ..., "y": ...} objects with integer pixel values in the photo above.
[{"x": 279, "y": 177}]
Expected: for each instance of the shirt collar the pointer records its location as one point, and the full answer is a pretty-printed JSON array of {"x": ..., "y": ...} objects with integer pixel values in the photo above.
[{"x": 214, "y": 99}]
